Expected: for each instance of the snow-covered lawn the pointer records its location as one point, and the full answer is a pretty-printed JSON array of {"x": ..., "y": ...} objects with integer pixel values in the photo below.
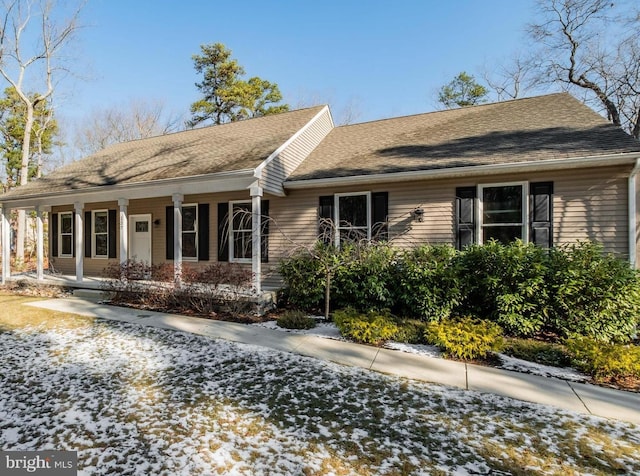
[{"x": 147, "y": 401}]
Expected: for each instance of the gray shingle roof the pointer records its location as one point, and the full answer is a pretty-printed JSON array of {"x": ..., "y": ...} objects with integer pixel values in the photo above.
[
  {"x": 224, "y": 148},
  {"x": 539, "y": 128}
]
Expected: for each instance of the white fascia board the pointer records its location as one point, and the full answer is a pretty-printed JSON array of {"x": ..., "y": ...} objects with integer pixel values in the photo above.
[
  {"x": 236, "y": 180},
  {"x": 469, "y": 171},
  {"x": 278, "y": 151}
]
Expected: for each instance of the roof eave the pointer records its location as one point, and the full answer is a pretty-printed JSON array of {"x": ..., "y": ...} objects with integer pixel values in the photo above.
[
  {"x": 468, "y": 171},
  {"x": 235, "y": 180}
]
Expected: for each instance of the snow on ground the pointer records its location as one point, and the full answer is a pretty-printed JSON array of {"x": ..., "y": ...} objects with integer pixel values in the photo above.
[
  {"x": 519, "y": 365},
  {"x": 146, "y": 401},
  {"x": 330, "y": 331}
]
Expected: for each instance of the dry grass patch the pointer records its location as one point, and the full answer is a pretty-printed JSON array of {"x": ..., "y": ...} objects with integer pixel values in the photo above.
[{"x": 15, "y": 315}]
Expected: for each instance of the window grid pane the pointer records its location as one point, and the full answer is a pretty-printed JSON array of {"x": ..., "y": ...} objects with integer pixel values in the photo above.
[
  {"x": 352, "y": 211},
  {"x": 502, "y": 213},
  {"x": 241, "y": 231},
  {"x": 189, "y": 218},
  {"x": 242, "y": 245},
  {"x": 502, "y": 204},
  {"x": 66, "y": 223},
  {"x": 189, "y": 247},
  {"x": 190, "y": 232},
  {"x": 66, "y": 244},
  {"x": 353, "y": 219},
  {"x": 101, "y": 245}
]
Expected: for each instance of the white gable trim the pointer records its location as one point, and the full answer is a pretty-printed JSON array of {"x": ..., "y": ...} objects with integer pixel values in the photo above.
[{"x": 276, "y": 153}]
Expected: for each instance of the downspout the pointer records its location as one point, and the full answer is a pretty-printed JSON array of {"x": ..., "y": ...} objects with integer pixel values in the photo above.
[{"x": 632, "y": 213}]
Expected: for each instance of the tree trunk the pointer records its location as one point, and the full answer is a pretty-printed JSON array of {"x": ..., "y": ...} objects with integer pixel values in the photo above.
[
  {"x": 327, "y": 294},
  {"x": 24, "y": 179}
]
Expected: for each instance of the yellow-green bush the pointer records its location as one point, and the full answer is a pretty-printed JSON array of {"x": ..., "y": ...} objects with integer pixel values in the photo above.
[
  {"x": 371, "y": 328},
  {"x": 605, "y": 361},
  {"x": 465, "y": 338}
]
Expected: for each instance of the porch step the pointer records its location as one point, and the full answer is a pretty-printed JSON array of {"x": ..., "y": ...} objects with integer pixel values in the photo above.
[{"x": 92, "y": 294}]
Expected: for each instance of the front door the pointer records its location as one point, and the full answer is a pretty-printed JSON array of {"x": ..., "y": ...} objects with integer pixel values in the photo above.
[{"x": 140, "y": 238}]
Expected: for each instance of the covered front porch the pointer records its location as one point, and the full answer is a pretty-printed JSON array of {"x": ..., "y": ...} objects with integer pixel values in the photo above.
[{"x": 90, "y": 230}]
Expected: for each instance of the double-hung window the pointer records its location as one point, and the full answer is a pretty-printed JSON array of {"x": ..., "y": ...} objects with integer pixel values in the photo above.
[
  {"x": 352, "y": 217},
  {"x": 65, "y": 241},
  {"x": 503, "y": 211},
  {"x": 190, "y": 232},
  {"x": 100, "y": 235},
  {"x": 240, "y": 237},
  {"x": 353, "y": 220}
]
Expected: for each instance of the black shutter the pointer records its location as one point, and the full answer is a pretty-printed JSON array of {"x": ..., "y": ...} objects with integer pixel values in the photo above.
[
  {"x": 465, "y": 216},
  {"x": 54, "y": 234},
  {"x": 203, "y": 232},
  {"x": 264, "y": 231},
  {"x": 87, "y": 234},
  {"x": 379, "y": 213},
  {"x": 169, "y": 232},
  {"x": 112, "y": 234},
  {"x": 73, "y": 234},
  {"x": 325, "y": 219},
  {"x": 541, "y": 213},
  {"x": 223, "y": 231}
]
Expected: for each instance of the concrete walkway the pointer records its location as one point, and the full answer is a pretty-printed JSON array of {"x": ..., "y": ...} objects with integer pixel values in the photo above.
[{"x": 578, "y": 397}]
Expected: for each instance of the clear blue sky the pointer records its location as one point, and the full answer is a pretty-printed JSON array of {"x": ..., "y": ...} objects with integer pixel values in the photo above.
[{"x": 387, "y": 57}]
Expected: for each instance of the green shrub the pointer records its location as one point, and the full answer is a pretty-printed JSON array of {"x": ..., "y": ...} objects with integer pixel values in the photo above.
[
  {"x": 410, "y": 331},
  {"x": 594, "y": 294},
  {"x": 465, "y": 338},
  {"x": 363, "y": 280},
  {"x": 304, "y": 280},
  {"x": 296, "y": 320},
  {"x": 605, "y": 361},
  {"x": 537, "y": 351},
  {"x": 506, "y": 284},
  {"x": 425, "y": 283},
  {"x": 370, "y": 328}
]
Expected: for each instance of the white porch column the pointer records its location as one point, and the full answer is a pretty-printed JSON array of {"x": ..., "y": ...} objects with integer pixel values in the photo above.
[
  {"x": 6, "y": 243},
  {"x": 178, "y": 198},
  {"x": 124, "y": 230},
  {"x": 256, "y": 248},
  {"x": 633, "y": 214},
  {"x": 39, "y": 244},
  {"x": 79, "y": 240}
]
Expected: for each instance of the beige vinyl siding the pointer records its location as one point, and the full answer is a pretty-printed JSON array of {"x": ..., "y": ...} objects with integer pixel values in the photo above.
[
  {"x": 91, "y": 266},
  {"x": 276, "y": 171},
  {"x": 592, "y": 205},
  {"x": 589, "y": 204}
]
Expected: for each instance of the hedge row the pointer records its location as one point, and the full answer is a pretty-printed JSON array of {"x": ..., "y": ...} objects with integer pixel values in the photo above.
[{"x": 575, "y": 290}]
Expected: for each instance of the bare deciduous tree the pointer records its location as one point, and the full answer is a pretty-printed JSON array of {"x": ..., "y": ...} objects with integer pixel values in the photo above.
[
  {"x": 137, "y": 120},
  {"x": 31, "y": 41},
  {"x": 592, "y": 46},
  {"x": 513, "y": 78}
]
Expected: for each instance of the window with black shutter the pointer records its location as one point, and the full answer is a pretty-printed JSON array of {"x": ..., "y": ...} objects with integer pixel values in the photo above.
[
  {"x": 353, "y": 217},
  {"x": 541, "y": 213},
  {"x": 465, "y": 216}
]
